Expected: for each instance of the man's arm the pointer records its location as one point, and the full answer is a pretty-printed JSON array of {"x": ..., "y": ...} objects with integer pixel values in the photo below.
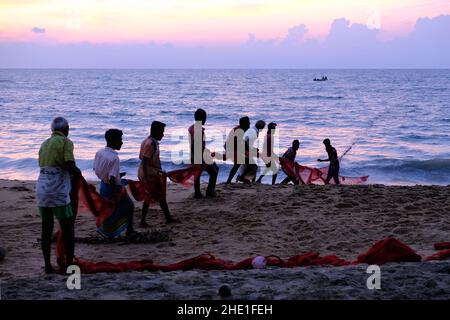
[
  {"x": 72, "y": 168},
  {"x": 69, "y": 159},
  {"x": 114, "y": 175},
  {"x": 145, "y": 166},
  {"x": 327, "y": 159},
  {"x": 145, "y": 161}
]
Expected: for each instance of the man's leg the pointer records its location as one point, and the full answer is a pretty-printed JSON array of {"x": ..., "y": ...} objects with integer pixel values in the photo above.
[
  {"x": 197, "y": 191},
  {"x": 213, "y": 171},
  {"x": 274, "y": 170},
  {"x": 130, "y": 214},
  {"x": 144, "y": 215},
  {"x": 329, "y": 175},
  {"x": 165, "y": 209},
  {"x": 286, "y": 180},
  {"x": 233, "y": 172},
  {"x": 274, "y": 178},
  {"x": 67, "y": 230},
  {"x": 336, "y": 176},
  {"x": 254, "y": 171},
  {"x": 244, "y": 172},
  {"x": 46, "y": 237},
  {"x": 265, "y": 172}
]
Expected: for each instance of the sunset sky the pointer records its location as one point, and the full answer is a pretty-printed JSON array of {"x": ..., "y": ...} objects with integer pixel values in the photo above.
[{"x": 187, "y": 22}]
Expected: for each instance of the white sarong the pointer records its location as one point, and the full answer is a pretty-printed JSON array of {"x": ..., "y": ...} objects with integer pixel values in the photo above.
[{"x": 53, "y": 187}]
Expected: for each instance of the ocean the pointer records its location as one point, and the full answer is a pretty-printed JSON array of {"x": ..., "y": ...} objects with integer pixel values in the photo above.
[{"x": 397, "y": 121}]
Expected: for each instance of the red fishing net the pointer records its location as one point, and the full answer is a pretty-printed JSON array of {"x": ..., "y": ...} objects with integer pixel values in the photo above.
[
  {"x": 389, "y": 250},
  {"x": 384, "y": 251},
  {"x": 311, "y": 175},
  {"x": 152, "y": 191},
  {"x": 89, "y": 200}
]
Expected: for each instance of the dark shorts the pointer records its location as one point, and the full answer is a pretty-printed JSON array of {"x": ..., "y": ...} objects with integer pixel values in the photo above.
[{"x": 61, "y": 212}]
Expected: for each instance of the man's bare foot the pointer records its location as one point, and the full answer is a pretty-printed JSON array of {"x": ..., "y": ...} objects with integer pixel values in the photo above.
[
  {"x": 198, "y": 196},
  {"x": 172, "y": 220},
  {"x": 131, "y": 233},
  {"x": 243, "y": 180},
  {"x": 144, "y": 225},
  {"x": 211, "y": 194},
  {"x": 49, "y": 269}
]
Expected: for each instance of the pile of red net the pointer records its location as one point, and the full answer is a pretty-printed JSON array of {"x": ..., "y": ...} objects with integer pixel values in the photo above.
[{"x": 384, "y": 251}]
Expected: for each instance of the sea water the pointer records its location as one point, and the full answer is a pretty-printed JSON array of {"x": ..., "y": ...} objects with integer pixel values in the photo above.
[{"x": 398, "y": 121}]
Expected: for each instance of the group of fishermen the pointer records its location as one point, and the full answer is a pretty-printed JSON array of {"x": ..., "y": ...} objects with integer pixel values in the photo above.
[{"x": 58, "y": 171}]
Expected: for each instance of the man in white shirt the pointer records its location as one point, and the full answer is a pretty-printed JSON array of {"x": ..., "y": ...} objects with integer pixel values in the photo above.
[
  {"x": 248, "y": 171},
  {"x": 107, "y": 169},
  {"x": 107, "y": 165}
]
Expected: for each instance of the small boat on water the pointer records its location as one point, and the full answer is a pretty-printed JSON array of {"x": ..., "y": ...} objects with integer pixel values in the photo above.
[{"x": 321, "y": 79}]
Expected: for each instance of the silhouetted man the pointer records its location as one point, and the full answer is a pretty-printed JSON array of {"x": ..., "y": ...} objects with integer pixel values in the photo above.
[
  {"x": 333, "y": 170},
  {"x": 234, "y": 147},
  {"x": 290, "y": 155},
  {"x": 199, "y": 152},
  {"x": 268, "y": 154},
  {"x": 150, "y": 170},
  {"x": 248, "y": 171}
]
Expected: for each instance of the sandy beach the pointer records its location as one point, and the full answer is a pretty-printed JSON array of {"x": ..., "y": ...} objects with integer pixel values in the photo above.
[{"x": 241, "y": 222}]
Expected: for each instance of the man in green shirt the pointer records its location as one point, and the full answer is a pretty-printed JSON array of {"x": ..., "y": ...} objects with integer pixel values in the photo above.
[{"x": 57, "y": 167}]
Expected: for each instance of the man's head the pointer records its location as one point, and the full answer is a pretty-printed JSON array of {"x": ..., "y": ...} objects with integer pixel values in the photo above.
[
  {"x": 260, "y": 124},
  {"x": 200, "y": 115},
  {"x": 244, "y": 123},
  {"x": 295, "y": 144},
  {"x": 327, "y": 142},
  {"x": 271, "y": 126},
  {"x": 113, "y": 138},
  {"x": 157, "y": 130},
  {"x": 60, "y": 124}
]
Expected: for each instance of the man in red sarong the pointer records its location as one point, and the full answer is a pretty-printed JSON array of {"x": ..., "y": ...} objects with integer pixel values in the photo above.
[
  {"x": 199, "y": 152},
  {"x": 150, "y": 172}
]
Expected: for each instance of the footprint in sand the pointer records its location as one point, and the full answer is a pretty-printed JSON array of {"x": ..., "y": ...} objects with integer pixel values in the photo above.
[
  {"x": 344, "y": 205},
  {"x": 412, "y": 208},
  {"x": 20, "y": 188}
]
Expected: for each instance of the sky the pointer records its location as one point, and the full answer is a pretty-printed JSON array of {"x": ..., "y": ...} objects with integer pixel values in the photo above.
[{"x": 222, "y": 33}]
